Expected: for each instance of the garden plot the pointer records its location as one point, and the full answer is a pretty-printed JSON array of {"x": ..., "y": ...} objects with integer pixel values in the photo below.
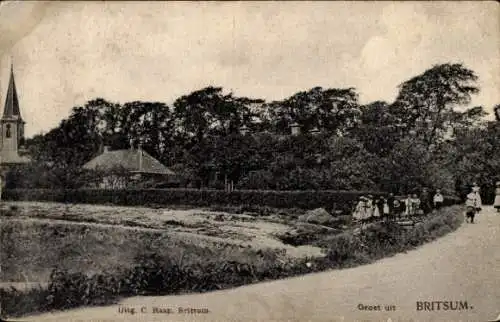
[{"x": 199, "y": 225}]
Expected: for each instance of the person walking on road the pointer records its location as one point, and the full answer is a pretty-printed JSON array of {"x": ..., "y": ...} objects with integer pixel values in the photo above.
[
  {"x": 477, "y": 197},
  {"x": 470, "y": 203},
  {"x": 1, "y": 187},
  {"x": 496, "y": 203}
]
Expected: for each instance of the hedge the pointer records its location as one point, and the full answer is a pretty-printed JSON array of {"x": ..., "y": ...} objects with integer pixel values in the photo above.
[{"x": 330, "y": 200}]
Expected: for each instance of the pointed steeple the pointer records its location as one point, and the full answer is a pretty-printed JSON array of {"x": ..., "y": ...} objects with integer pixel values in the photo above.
[
  {"x": 11, "y": 108},
  {"x": 11, "y": 127}
]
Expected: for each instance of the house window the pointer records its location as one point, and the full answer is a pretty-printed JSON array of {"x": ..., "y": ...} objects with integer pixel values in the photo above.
[{"x": 7, "y": 131}]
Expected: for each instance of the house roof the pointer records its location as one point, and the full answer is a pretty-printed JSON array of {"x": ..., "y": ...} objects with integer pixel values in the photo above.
[
  {"x": 129, "y": 160},
  {"x": 11, "y": 108}
]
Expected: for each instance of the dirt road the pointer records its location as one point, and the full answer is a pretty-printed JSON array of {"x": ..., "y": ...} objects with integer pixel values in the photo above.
[{"x": 462, "y": 266}]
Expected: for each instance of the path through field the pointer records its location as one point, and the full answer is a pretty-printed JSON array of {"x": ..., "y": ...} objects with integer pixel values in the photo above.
[{"x": 462, "y": 266}]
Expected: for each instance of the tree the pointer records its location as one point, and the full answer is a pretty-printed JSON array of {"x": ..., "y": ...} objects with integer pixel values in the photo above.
[
  {"x": 76, "y": 140},
  {"x": 209, "y": 111},
  {"x": 379, "y": 128},
  {"x": 312, "y": 162},
  {"x": 332, "y": 110},
  {"x": 233, "y": 155},
  {"x": 62, "y": 152},
  {"x": 205, "y": 120},
  {"x": 474, "y": 156},
  {"x": 149, "y": 124},
  {"x": 410, "y": 166},
  {"x": 423, "y": 139},
  {"x": 426, "y": 102}
]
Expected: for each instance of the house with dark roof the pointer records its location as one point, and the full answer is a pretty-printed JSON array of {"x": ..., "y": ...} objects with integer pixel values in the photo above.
[{"x": 129, "y": 168}]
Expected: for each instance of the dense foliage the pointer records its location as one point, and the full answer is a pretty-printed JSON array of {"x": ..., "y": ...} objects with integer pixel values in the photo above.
[{"x": 426, "y": 137}]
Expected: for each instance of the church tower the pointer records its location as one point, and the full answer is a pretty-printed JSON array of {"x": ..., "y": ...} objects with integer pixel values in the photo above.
[{"x": 11, "y": 126}]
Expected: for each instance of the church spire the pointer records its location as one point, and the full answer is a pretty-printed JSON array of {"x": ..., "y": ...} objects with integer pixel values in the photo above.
[{"x": 11, "y": 109}]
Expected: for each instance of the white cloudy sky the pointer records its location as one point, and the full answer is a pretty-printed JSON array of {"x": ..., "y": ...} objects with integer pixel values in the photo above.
[{"x": 66, "y": 53}]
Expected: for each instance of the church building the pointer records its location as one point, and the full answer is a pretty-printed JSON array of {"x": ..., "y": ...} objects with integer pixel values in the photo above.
[{"x": 11, "y": 128}]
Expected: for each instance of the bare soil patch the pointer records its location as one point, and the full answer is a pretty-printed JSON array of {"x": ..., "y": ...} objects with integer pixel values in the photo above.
[{"x": 101, "y": 237}]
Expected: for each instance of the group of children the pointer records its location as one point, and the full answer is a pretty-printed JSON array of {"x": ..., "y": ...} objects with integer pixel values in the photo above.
[{"x": 369, "y": 208}]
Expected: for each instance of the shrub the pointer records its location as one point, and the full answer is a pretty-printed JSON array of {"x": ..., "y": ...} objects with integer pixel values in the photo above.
[
  {"x": 330, "y": 200},
  {"x": 248, "y": 200},
  {"x": 15, "y": 302},
  {"x": 387, "y": 238},
  {"x": 343, "y": 248}
]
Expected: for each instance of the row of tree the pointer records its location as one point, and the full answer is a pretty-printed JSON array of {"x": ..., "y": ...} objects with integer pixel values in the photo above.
[{"x": 424, "y": 138}]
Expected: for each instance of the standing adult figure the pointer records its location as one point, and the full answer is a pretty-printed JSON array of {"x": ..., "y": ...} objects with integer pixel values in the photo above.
[
  {"x": 390, "y": 202},
  {"x": 496, "y": 203},
  {"x": 425, "y": 201},
  {"x": 380, "y": 206},
  {"x": 397, "y": 209}
]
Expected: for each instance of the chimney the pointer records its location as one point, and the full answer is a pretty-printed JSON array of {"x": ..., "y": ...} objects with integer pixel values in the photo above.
[
  {"x": 314, "y": 131},
  {"x": 244, "y": 130},
  {"x": 295, "y": 127}
]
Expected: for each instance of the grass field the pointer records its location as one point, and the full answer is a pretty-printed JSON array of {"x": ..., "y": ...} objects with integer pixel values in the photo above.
[{"x": 38, "y": 237}]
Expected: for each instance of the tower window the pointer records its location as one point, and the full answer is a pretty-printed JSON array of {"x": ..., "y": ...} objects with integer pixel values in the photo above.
[{"x": 7, "y": 131}]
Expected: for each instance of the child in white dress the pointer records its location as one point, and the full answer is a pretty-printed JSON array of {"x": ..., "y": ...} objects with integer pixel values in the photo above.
[
  {"x": 359, "y": 211},
  {"x": 408, "y": 206},
  {"x": 477, "y": 197},
  {"x": 438, "y": 199},
  {"x": 375, "y": 209},
  {"x": 386, "y": 209},
  {"x": 368, "y": 208}
]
